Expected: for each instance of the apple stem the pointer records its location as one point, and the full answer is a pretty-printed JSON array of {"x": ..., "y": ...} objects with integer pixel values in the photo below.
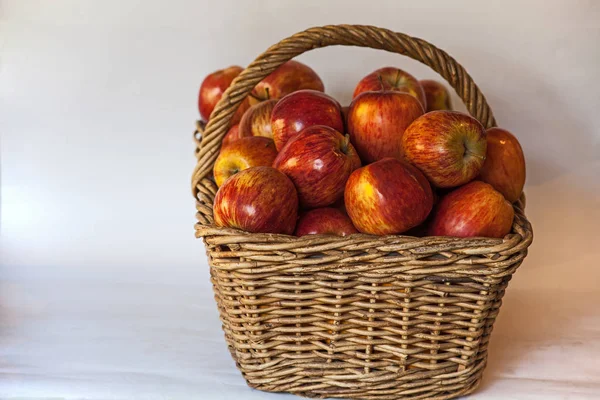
[
  {"x": 381, "y": 82},
  {"x": 397, "y": 83},
  {"x": 268, "y": 94},
  {"x": 345, "y": 143}
]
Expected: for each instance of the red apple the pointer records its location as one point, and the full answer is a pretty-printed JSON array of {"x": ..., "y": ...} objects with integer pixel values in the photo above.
[
  {"x": 447, "y": 146},
  {"x": 318, "y": 160},
  {"x": 303, "y": 109},
  {"x": 390, "y": 78},
  {"x": 242, "y": 154},
  {"x": 438, "y": 97},
  {"x": 259, "y": 200},
  {"x": 475, "y": 209},
  {"x": 377, "y": 120},
  {"x": 325, "y": 220},
  {"x": 256, "y": 121},
  {"x": 387, "y": 197},
  {"x": 288, "y": 78},
  {"x": 504, "y": 166},
  {"x": 232, "y": 135},
  {"x": 212, "y": 89}
]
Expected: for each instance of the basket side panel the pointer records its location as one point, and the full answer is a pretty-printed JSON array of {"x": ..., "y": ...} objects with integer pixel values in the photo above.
[{"x": 372, "y": 334}]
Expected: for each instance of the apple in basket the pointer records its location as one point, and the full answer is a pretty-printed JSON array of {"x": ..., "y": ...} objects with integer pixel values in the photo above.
[
  {"x": 390, "y": 78},
  {"x": 388, "y": 196},
  {"x": 318, "y": 160},
  {"x": 438, "y": 97},
  {"x": 504, "y": 166},
  {"x": 232, "y": 135},
  {"x": 243, "y": 153},
  {"x": 475, "y": 209},
  {"x": 288, "y": 78},
  {"x": 256, "y": 121},
  {"x": 377, "y": 120},
  {"x": 303, "y": 109},
  {"x": 325, "y": 220},
  {"x": 212, "y": 89},
  {"x": 447, "y": 146},
  {"x": 258, "y": 200}
]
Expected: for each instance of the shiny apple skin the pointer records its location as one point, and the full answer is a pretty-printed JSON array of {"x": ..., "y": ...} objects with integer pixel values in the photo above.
[
  {"x": 391, "y": 78},
  {"x": 475, "y": 209},
  {"x": 318, "y": 160},
  {"x": 253, "y": 151},
  {"x": 387, "y": 197},
  {"x": 377, "y": 120},
  {"x": 256, "y": 121},
  {"x": 504, "y": 166},
  {"x": 288, "y": 78},
  {"x": 232, "y": 135},
  {"x": 325, "y": 221},
  {"x": 258, "y": 200},
  {"x": 438, "y": 97},
  {"x": 447, "y": 146},
  {"x": 302, "y": 109},
  {"x": 213, "y": 87}
]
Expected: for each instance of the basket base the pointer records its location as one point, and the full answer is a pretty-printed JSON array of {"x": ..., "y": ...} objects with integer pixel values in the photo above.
[{"x": 378, "y": 385}]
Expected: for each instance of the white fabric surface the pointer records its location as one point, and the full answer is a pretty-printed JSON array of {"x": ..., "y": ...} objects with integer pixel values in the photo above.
[{"x": 104, "y": 292}]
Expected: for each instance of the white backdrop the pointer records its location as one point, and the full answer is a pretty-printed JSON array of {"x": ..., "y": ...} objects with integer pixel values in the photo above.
[{"x": 104, "y": 291}]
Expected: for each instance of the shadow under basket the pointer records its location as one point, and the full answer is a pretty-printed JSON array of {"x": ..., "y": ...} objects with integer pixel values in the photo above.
[{"x": 361, "y": 317}]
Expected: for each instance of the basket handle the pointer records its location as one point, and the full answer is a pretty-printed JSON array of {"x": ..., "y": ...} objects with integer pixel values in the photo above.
[{"x": 347, "y": 35}]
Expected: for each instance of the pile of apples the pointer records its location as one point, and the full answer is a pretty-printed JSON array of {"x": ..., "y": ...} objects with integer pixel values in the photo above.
[{"x": 397, "y": 160}]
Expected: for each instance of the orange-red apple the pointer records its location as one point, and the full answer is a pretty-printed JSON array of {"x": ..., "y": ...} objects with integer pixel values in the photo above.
[
  {"x": 391, "y": 78},
  {"x": 212, "y": 89},
  {"x": 241, "y": 154},
  {"x": 318, "y": 160},
  {"x": 259, "y": 200},
  {"x": 504, "y": 167},
  {"x": 232, "y": 135},
  {"x": 387, "y": 197},
  {"x": 256, "y": 121},
  {"x": 288, "y": 78},
  {"x": 475, "y": 209},
  {"x": 325, "y": 220},
  {"x": 447, "y": 146},
  {"x": 302, "y": 109},
  {"x": 438, "y": 97},
  {"x": 377, "y": 120}
]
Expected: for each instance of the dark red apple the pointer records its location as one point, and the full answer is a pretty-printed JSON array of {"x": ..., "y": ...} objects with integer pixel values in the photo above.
[
  {"x": 387, "y": 197},
  {"x": 259, "y": 200},
  {"x": 212, "y": 89},
  {"x": 256, "y": 121},
  {"x": 318, "y": 160},
  {"x": 241, "y": 154},
  {"x": 377, "y": 120},
  {"x": 288, "y": 78},
  {"x": 475, "y": 209},
  {"x": 232, "y": 135},
  {"x": 391, "y": 78},
  {"x": 447, "y": 146},
  {"x": 325, "y": 220},
  {"x": 303, "y": 109},
  {"x": 504, "y": 167},
  {"x": 438, "y": 97}
]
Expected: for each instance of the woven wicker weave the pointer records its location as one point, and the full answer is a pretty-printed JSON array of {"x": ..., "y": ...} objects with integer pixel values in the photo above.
[{"x": 363, "y": 317}]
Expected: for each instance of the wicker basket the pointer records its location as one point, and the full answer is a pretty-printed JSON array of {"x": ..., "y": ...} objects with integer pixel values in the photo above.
[{"x": 364, "y": 317}]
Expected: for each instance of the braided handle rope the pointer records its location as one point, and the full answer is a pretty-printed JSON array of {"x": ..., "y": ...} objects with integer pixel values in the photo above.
[{"x": 347, "y": 35}]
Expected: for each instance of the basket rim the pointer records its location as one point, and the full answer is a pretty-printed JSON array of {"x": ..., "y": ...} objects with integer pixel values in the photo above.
[{"x": 209, "y": 141}]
